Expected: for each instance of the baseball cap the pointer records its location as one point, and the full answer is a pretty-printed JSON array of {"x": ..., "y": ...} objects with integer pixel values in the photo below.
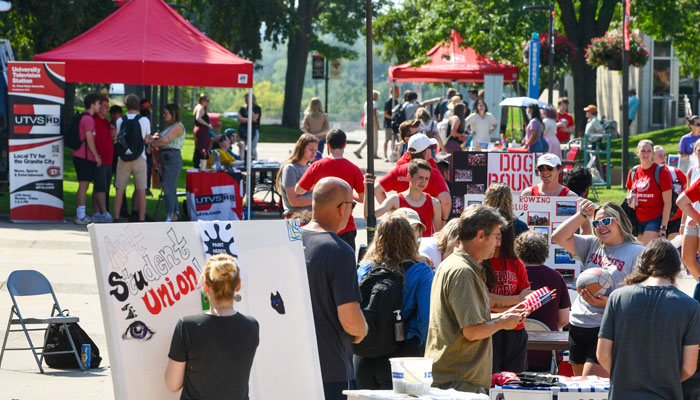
[
  {"x": 549, "y": 159},
  {"x": 420, "y": 141},
  {"x": 411, "y": 215},
  {"x": 592, "y": 108}
]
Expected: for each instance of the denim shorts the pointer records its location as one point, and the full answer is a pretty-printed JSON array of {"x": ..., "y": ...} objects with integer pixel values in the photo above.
[{"x": 651, "y": 225}]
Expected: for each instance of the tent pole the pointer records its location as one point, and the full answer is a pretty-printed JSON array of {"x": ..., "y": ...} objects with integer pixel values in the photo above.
[{"x": 249, "y": 152}]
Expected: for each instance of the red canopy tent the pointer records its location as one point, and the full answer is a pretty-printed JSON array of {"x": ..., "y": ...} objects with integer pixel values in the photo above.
[
  {"x": 450, "y": 63},
  {"x": 145, "y": 42}
]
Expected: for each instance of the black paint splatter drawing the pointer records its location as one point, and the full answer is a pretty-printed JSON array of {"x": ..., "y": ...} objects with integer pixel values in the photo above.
[
  {"x": 216, "y": 245},
  {"x": 276, "y": 302}
]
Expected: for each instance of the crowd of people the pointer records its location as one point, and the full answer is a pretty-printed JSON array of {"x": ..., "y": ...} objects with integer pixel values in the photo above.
[{"x": 462, "y": 278}]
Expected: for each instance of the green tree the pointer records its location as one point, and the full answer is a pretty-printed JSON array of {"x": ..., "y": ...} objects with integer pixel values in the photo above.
[{"x": 498, "y": 28}]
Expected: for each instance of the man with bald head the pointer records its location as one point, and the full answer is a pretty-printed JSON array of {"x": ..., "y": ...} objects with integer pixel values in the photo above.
[{"x": 335, "y": 293}]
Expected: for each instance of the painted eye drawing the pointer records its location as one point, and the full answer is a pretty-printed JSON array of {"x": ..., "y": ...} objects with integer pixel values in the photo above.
[{"x": 138, "y": 331}]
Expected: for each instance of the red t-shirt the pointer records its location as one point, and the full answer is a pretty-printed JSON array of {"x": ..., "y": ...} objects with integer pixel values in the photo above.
[
  {"x": 535, "y": 191},
  {"x": 87, "y": 124},
  {"x": 397, "y": 180},
  {"x": 563, "y": 134},
  {"x": 425, "y": 212},
  {"x": 650, "y": 204},
  {"x": 339, "y": 168},
  {"x": 406, "y": 159},
  {"x": 677, "y": 187},
  {"x": 103, "y": 140},
  {"x": 693, "y": 191},
  {"x": 511, "y": 279}
]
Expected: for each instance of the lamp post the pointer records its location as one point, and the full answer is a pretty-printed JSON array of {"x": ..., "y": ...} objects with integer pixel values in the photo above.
[
  {"x": 369, "y": 123},
  {"x": 550, "y": 75}
]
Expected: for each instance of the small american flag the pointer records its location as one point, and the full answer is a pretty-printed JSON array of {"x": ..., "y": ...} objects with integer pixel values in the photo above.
[{"x": 535, "y": 300}]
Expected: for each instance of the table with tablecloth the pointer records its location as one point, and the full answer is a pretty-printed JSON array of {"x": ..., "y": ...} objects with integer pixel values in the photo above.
[
  {"x": 573, "y": 388},
  {"x": 214, "y": 195},
  {"x": 435, "y": 394}
]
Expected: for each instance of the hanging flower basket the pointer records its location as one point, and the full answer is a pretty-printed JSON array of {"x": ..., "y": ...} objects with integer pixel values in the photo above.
[
  {"x": 563, "y": 51},
  {"x": 606, "y": 52},
  {"x": 614, "y": 64}
]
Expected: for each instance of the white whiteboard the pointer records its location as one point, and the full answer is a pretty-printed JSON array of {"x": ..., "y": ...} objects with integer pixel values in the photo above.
[{"x": 168, "y": 255}]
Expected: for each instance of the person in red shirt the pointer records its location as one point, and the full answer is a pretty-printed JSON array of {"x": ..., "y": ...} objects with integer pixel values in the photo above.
[
  {"x": 427, "y": 207},
  {"x": 406, "y": 130},
  {"x": 336, "y": 165},
  {"x": 85, "y": 158},
  {"x": 103, "y": 173},
  {"x": 397, "y": 179},
  {"x": 650, "y": 199},
  {"x": 565, "y": 122},
  {"x": 549, "y": 169},
  {"x": 680, "y": 182},
  {"x": 691, "y": 232},
  {"x": 508, "y": 284}
]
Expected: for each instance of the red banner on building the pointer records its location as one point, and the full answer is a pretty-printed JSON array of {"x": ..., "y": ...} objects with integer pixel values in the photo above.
[{"x": 36, "y": 146}]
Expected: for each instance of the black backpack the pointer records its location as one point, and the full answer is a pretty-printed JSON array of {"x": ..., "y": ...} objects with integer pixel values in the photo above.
[
  {"x": 71, "y": 136},
  {"x": 130, "y": 143},
  {"x": 56, "y": 339},
  {"x": 382, "y": 295},
  {"x": 398, "y": 116},
  {"x": 657, "y": 174}
]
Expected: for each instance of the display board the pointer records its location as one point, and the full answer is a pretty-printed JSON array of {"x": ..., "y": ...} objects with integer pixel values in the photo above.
[
  {"x": 474, "y": 171},
  {"x": 35, "y": 94},
  {"x": 148, "y": 277},
  {"x": 544, "y": 214}
]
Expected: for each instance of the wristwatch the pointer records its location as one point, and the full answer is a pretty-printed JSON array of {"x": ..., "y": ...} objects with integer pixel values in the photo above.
[{"x": 663, "y": 228}]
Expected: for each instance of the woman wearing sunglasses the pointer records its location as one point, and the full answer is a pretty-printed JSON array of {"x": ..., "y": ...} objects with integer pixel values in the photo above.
[
  {"x": 649, "y": 193},
  {"x": 687, "y": 142},
  {"x": 613, "y": 248}
]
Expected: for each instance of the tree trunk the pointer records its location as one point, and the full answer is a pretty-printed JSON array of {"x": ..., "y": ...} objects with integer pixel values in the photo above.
[
  {"x": 297, "y": 54},
  {"x": 585, "y": 80}
]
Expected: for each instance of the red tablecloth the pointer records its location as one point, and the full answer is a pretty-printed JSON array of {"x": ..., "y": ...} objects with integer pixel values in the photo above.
[{"x": 214, "y": 196}]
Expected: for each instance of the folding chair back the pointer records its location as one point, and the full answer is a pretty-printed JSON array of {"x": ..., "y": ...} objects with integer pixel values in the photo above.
[{"x": 32, "y": 283}]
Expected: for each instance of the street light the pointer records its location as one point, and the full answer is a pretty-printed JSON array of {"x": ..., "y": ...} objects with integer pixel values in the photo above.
[{"x": 550, "y": 84}]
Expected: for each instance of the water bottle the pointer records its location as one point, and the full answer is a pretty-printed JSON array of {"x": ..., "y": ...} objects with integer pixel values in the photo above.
[{"x": 399, "y": 333}]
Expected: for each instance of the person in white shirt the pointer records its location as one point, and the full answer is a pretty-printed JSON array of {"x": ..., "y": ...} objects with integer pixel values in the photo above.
[{"x": 481, "y": 122}]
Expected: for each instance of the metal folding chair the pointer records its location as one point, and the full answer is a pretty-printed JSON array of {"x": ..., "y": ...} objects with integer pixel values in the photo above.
[{"x": 32, "y": 283}]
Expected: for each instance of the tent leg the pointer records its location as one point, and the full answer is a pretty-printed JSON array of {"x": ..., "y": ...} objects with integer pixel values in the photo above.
[{"x": 249, "y": 151}]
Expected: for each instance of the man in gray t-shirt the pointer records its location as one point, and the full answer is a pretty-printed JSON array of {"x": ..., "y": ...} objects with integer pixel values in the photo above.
[
  {"x": 617, "y": 260},
  {"x": 291, "y": 174},
  {"x": 649, "y": 326}
]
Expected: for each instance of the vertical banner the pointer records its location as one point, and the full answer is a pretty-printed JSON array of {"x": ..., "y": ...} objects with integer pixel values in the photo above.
[
  {"x": 148, "y": 278},
  {"x": 626, "y": 26},
  {"x": 533, "y": 77},
  {"x": 474, "y": 172},
  {"x": 318, "y": 67},
  {"x": 35, "y": 92},
  {"x": 544, "y": 214}
]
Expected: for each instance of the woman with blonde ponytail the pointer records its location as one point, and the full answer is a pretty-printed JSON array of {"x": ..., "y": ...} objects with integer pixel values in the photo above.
[{"x": 211, "y": 354}]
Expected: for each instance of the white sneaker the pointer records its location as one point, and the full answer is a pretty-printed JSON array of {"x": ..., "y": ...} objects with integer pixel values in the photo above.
[
  {"x": 106, "y": 217},
  {"x": 84, "y": 221}
]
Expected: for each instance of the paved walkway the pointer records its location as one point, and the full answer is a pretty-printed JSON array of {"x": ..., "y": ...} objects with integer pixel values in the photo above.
[{"x": 63, "y": 253}]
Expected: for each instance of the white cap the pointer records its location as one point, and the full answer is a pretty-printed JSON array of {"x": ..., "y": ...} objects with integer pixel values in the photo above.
[
  {"x": 411, "y": 215},
  {"x": 420, "y": 141},
  {"x": 549, "y": 159}
]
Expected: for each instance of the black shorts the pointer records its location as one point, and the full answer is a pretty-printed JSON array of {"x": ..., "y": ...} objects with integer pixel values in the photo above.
[
  {"x": 674, "y": 226},
  {"x": 84, "y": 169},
  {"x": 583, "y": 343},
  {"x": 103, "y": 177},
  {"x": 509, "y": 350}
]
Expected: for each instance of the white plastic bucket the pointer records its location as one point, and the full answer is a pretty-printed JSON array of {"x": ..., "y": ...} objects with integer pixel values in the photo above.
[{"x": 411, "y": 375}]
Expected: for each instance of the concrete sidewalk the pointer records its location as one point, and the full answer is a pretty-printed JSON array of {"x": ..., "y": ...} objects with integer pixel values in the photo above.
[{"x": 63, "y": 253}]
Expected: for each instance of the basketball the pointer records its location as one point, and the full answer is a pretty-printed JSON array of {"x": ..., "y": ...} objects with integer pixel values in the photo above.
[{"x": 596, "y": 280}]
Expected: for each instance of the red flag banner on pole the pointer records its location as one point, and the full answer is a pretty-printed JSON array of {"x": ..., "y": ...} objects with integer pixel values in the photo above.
[{"x": 626, "y": 27}]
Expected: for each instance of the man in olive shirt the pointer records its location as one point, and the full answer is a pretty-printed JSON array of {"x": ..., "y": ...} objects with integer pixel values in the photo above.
[{"x": 460, "y": 328}]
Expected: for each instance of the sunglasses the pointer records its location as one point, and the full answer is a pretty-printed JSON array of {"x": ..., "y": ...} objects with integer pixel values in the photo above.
[
  {"x": 605, "y": 222},
  {"x": 354, "y": 203},
  {"x": 695, "y": 124},
  {"x": 543, "y": 167}
]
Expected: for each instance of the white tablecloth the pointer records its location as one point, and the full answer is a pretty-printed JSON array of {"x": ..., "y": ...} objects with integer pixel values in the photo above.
[{"x": 435, "y": 394}]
